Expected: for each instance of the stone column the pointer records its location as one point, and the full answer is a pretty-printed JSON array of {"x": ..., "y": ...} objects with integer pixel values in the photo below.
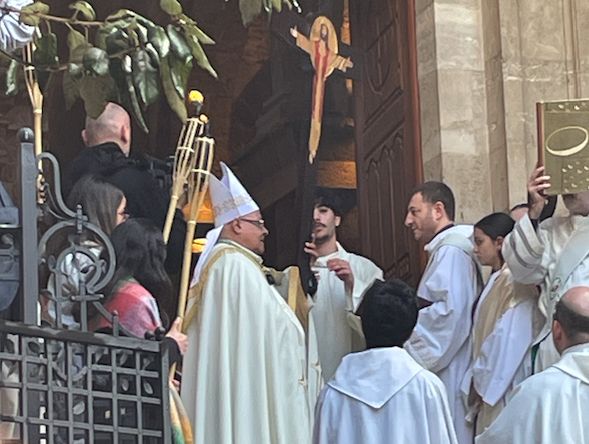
[
  {"x": 483, "y": 65},
  {"x": 453, "y": 95}
]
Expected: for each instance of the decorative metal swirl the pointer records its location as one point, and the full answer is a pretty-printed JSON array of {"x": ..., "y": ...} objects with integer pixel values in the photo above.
[{"x": 96, "y": 262}]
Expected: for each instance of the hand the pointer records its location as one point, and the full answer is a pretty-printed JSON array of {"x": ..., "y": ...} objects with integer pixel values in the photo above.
[
  {"x": 311, "y": 250},
  {"x": 342, "y": 270},
  {"x": 294, "y": 32},
  {"x": 176, "y": 334},
  {"x": 537, "y": 186}
]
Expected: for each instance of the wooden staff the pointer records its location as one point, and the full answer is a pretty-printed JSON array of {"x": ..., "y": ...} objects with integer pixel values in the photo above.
[
  {"x": 184, "y": 160},
  {"x": 36, "y": 98},
  {"x": 198, "y": 183}
]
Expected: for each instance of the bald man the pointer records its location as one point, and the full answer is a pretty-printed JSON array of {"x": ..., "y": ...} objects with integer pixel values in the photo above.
[
  {"x": 108, "y": 144},
  {"x": 553, "y": 406}
]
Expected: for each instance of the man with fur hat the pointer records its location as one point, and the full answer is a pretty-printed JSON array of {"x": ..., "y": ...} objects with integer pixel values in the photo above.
[{"x": 246, "y": 374}]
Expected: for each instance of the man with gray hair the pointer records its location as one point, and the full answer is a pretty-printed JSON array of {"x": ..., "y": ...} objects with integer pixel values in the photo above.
[{"x": 551, "y": 406}]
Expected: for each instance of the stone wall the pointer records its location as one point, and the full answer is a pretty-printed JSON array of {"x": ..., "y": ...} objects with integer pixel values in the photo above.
[{"x": 483, "y": 64}]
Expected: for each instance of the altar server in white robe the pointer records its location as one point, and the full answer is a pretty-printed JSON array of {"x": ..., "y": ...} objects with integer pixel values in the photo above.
[
  {"x": 506, "y": 321},
  {"x": 553, "y": 254},
  {"x": 246, "y": 373},
  {"x": 552, "y": 407},
  {"x": 381, "y": 395},
  {"x": 448, "y": 291},
  {"x": 343, "y": 278}
]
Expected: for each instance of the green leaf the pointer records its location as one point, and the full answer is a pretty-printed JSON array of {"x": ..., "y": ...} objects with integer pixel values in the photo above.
[
  {"x": 78, "y": 45},
  {"x": 12, "y": 78},
  {"x": 71, "y": 89},
  {"x": 200, "y": 56},
  {"x": 96, "y": 91},
  {"x": 45, "y": 54},
  {"x": 145, "y": 77},
  {"x": 126, "y": 91},
  {"x": 44, "y": 57},
  {"x": 249, "y": 9},
  {"x": 117, "y": 41},
  {"x": 28, "y": 14},
  {"x": 96, "y": 61},
  {"x": 159, "y": 39},
  {"x": 192, "y": 30},
  {"x": 135, "y": 104},
  {"x": 277, "y": 5},
  {"x": 174, "y": 100},
  {"x": 121, "y": 14},
  {"x": 75, "y": 70},
  {"x": 85, "y": 9},
  {"x": 180, "y": 72},
  {"x": 178, "y": 44},
  {"x": 172, "y": 7},
  {"x": 143, "y": 33}
]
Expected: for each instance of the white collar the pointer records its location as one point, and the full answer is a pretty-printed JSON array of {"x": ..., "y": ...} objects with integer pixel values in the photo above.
[
  {"x": 374, "y": 376},
  {"x": 575, "y": 362},
  {"x": 463, "y": 229}
]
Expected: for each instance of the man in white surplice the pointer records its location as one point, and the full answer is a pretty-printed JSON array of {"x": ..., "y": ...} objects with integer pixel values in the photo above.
[
  {"x": 552, "y": 406},
  {"x": 381, "y": 395},
  {"x": 343, "y": 278},
  {"x": 553, "y": 254},
  {"x": 247, "y": 377},
  {"x": 448, "y": 291}
]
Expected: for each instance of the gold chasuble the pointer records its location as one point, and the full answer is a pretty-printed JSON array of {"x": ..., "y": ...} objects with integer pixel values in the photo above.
[{"x": 504, "y": 295}]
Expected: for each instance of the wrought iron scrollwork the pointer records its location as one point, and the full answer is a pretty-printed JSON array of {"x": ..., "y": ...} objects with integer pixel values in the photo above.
[{"x": 60, "y": 385}]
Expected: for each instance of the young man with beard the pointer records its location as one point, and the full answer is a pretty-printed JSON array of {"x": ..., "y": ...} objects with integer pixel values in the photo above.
[
  {"x": 343, "y": 279},
  {"x": 448, "y": 290},
  {"x": 553, "y": 254}
]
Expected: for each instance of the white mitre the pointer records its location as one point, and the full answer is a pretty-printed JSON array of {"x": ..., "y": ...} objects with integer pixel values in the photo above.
[{"x": 230, "y": 200}]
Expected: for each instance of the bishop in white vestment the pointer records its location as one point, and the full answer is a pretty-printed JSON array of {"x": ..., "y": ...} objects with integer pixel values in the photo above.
[
  {"x": 246, "y": 373},
  {"x": 552, "y": 407},
  {"x": 451, "y": 284},
  {"x": 381, "y": 395}
]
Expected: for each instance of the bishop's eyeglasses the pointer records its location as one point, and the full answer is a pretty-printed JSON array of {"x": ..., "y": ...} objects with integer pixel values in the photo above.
[{"x": 257, "y": 222}]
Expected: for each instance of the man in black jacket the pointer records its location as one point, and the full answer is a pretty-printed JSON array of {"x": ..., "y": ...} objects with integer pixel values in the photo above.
[{"x": 108, "y": 143}]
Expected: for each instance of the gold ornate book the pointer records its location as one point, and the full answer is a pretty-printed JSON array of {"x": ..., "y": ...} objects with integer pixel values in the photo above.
[{"x": 563, "y": 139}]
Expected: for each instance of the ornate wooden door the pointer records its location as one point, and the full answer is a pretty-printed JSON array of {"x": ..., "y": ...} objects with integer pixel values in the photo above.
[{"x": 388, "y": 148}]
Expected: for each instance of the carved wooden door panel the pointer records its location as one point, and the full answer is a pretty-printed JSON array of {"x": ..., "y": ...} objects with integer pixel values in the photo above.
[{"x": 388, "y": 151}]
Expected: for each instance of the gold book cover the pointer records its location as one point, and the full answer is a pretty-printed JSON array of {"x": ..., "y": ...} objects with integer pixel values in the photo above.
[{"x": 563, "y": 136}]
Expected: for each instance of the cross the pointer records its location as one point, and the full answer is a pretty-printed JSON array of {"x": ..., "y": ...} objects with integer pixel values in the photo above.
[{"x": 322, "y": 46}]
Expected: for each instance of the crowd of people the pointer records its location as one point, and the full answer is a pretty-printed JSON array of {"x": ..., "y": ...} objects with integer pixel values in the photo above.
[{"x": 364, "y": 360}]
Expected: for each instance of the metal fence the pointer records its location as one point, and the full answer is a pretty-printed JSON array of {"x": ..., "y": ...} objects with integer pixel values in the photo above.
[{"x": 61, "y": 385}]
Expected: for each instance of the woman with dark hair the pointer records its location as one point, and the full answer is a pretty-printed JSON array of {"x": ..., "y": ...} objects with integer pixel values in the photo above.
[
  {"x": 505, "y": 326},
  {"x": 138, "y": 292},
  {"x": 104, "y": 205},
  {"x": 140, "y": 289}
]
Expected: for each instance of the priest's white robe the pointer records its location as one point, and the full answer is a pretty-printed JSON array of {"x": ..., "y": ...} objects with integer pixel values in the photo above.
[
  {"x": 382, "y": 396},
  {"x": 532, "y": 257},
  {"x": 245, "y": 371},
  {"x": 338, "y": 328},
  {"x": 441, "y": 339},
  {"x": 551, "y": 407}
]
